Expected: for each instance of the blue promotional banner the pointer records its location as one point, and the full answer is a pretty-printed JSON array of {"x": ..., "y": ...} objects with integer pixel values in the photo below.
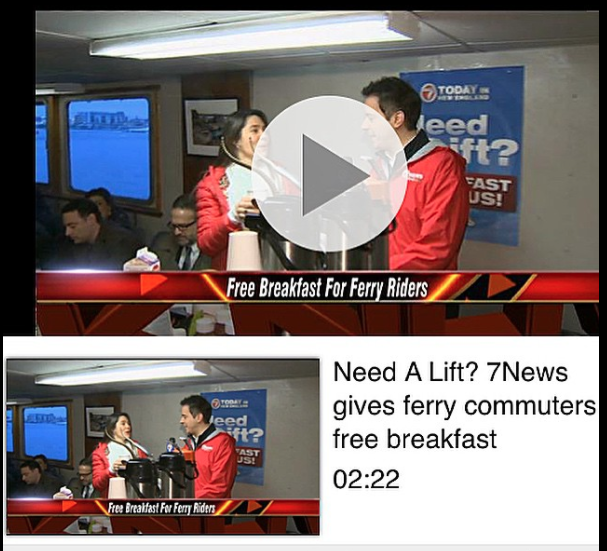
[
  {"x": 479, "y": 114},
  {"x": 242, "y": 413}
]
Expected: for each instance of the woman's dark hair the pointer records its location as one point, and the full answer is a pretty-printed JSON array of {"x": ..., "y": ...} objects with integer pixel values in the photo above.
[
  {"x": 232, "y": 131},
  {"x": 101, "y": 192},
  {"x": 41, "y": 456},
  {"x": 111, "y": 425}
]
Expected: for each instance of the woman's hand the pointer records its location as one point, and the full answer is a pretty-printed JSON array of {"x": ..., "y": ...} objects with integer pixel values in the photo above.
[
  {"x": 118, "y": 465},
  {"x": 245, "y": 206}
]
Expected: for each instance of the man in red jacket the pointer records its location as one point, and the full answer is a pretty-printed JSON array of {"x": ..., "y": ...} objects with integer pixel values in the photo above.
[
  {"x": 214, "y": 450},
  {"x": 432, "y": 219}
]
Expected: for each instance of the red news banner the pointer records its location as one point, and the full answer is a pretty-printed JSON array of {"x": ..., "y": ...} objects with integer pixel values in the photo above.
[
  {"x": 157, "y": 516},
  {"x": 319, "y": 303},
  {"x": 321, "y": 287}
]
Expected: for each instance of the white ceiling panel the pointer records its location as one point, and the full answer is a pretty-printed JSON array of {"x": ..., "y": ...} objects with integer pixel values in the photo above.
[
  {"x": 62, "y": 39},
  {"x": 20, "y": 374}
]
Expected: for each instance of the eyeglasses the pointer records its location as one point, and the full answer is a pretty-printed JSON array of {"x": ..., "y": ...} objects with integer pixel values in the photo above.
[{"x": 180, "y": 227}]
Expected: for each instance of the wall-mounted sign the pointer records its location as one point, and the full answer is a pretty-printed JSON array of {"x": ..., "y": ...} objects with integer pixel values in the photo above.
[
  {"x": 242, "y": 413},
  {"x": 479, "y": 114}
]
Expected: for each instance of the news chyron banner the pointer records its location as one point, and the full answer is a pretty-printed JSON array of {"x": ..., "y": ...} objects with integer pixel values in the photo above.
[
  {"x": 242, "y": 413},
  {"x": 479, "y": 114}
]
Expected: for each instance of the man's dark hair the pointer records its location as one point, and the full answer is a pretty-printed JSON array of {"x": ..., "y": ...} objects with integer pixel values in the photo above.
[
  {"x": 185, "y": 202},
  {"x": 394, "y": 94},
  {"x": 83, "y": 207},
  {"x": 86, "y": 462},
  {"x": 198, "y": 404},
  {"x": 31, "y": 464}
]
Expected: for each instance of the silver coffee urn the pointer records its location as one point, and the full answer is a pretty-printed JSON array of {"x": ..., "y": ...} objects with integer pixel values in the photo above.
[
  {"x": 141, "y": 479},
  {"x": 279, "y": 253},
  {"x": 171, "y": 473}
]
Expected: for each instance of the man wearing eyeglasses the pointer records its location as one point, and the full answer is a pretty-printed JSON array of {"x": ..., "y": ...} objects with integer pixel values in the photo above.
[
  {"x": 178, "y": 248},
  {"x": 81, "y": 486}
]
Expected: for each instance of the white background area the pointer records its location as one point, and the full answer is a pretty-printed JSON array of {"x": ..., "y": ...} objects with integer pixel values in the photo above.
[{"x": 540, "y": 486}]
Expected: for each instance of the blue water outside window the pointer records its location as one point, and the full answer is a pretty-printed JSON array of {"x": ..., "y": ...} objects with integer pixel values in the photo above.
[
  {"x": 41, "y": 144},
  {"x": 45, "y": 430},
  {"x": 10, "y": 444},
  {"x": 110, "y": 146}
]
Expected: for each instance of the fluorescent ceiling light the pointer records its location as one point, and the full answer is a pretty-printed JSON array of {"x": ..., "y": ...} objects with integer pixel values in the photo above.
[
  {"x": 56, "y": 89},
  {"x": 142, "y": 371},
  {"x": 354, "y": 28}
]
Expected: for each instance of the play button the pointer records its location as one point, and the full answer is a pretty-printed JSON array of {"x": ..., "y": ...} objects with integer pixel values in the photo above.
[
  {"x": 321, "y": 165},
  {"x": 329, "y": 174}
]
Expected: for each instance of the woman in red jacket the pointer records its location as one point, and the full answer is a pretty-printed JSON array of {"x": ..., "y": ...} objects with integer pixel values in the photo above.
[
  {"x": 109, "y": 456},
  {"x": 223, "y": 196}
]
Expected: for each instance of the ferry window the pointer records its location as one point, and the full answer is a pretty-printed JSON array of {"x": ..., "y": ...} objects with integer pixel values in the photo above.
[
  {"x": 41, "y": 144},
  {"x": 109, "y": 144},
  {"x": 10, "y": 443},
  {"x": 46, "y": 430}
]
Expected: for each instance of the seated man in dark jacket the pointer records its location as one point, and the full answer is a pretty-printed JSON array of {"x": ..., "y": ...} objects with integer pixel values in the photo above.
[
  {"x": 92, "y": 244},
  {"x": 36, "y": 483},
  {"x": 178, "y": 249},
  {"x": 82, "y": 485}
]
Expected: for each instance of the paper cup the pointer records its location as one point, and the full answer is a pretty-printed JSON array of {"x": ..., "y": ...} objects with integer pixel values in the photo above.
[
  {"x": 205, "y": 326},
  {"x": 243, "y": 251},
  {"x": 117, "y": 489}
]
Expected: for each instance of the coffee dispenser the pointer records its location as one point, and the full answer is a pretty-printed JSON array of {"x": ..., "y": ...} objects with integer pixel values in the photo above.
[
  {"x": 141, "y": 479},
  {"x": 279, "y": 253},
  {"x": 171, "y": 473}
]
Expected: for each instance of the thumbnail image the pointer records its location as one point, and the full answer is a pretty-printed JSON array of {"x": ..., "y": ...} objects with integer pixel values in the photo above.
[{"x": 150, "y": 446}]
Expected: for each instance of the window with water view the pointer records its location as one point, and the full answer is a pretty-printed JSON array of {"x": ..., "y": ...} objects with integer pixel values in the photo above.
[
  {"x": 10, "y": 444},
  {"x": 45, "y": 430},
  {"x": 110, "y": 146},
  {"x": 41, "y": 144}
]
